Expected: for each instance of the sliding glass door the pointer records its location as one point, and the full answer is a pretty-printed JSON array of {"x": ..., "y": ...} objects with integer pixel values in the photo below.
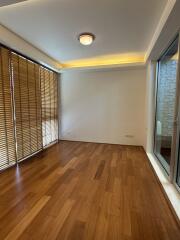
[
  {"x": 166, "y": 105},
  {"x": 167, "y": 115}
]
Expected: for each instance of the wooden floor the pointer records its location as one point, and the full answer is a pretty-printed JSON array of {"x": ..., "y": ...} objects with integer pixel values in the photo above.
[{"x": 85, "y": 191}]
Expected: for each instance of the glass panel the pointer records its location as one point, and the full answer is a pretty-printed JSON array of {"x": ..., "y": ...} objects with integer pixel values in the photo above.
[
  {"x": 165, "y": 106},
  {"x": 178, "y": 170}
]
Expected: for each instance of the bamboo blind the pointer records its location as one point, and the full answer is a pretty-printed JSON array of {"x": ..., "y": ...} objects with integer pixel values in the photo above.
[
  {"x": 49, "y": 96},
  {"x": 28, "y": 107},
  {"x": 27, "y": 101},
  {"x": 7, "y": 139}
]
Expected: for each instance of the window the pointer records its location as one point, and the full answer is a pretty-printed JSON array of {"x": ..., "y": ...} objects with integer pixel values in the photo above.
[
  {"x": 27, "y": 103},
  {"x": 28, "y": 107},
  {"x": 165, "y": 105},
  {"x": 7, "y": 138},
  {"x": 49, "y": 89}
]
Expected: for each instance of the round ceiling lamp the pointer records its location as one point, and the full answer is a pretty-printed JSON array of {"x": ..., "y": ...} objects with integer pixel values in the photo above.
[{"x": 86, "y": 38}]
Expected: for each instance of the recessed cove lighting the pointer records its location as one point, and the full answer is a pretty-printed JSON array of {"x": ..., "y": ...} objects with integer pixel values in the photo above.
[{"x": 86, "y": 38}]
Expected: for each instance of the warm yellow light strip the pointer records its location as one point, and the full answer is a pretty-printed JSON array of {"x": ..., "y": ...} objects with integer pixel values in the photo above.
[
  {"x": 175, "y": 57},
  {"x": 109, "y": 60}
]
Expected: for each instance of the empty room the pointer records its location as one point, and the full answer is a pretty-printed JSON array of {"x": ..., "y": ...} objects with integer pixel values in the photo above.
[{"x": 89, "y": 120}]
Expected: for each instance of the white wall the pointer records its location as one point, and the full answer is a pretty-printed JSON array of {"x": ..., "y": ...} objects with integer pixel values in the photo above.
[
  {"x": 104, "y": 106},
  {"x": 150, "y": 105}
]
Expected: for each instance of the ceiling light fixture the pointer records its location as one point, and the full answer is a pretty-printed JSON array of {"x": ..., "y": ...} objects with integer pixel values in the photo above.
[{"x": 86, "y": 38}]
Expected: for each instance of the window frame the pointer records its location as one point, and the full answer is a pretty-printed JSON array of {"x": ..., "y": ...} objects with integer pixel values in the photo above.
[
  {"x": 172, "y": 175},
  {"x": 176, "y": 162}
]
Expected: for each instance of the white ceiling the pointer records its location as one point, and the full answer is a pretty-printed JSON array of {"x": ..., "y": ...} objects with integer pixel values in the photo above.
[
  {"x": 120, "y": 26},
  {"x": 9, "y": 2}
]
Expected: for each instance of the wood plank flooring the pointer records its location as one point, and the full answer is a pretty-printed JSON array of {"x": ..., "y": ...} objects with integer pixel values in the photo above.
[{"x": 85, "y": 191}]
